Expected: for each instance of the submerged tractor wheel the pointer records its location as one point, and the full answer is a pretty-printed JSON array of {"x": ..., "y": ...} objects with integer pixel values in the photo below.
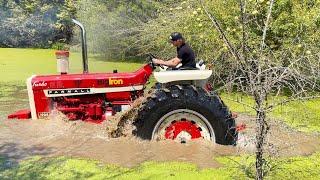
[{"x": 183, "y": 113}]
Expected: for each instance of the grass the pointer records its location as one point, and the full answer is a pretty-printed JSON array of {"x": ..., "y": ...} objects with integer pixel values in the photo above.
[
  {"x": 234, "y": 167},
  {"x": 73, "y": 168},
  {"x": 302, "y": 115},
  {"x": 299, "y": 167},
  {"x": 18, "y": 64}
]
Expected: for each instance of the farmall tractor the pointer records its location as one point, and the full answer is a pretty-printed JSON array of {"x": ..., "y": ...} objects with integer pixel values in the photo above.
[{"x": 181, "y": 107}]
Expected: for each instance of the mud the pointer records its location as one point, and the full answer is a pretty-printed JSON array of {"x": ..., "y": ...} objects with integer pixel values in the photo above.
[
  {"x": 282, "y": 140},
  {"x": 20, "y": 139},
  {"x": 121, "y": 125},
  {"x": 56, "y": 137}
]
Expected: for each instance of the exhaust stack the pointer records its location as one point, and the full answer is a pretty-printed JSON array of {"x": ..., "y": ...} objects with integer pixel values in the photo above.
[{"x": 83, "y": 45}]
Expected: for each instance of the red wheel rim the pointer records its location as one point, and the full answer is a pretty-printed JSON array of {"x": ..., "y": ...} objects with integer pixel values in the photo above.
[{"x": 185, "y": 126}]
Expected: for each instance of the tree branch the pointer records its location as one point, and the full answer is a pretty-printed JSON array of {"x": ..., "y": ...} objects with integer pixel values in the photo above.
[
  {"x": 224, "y": 37},
  {"x": 266, "y": 26}
]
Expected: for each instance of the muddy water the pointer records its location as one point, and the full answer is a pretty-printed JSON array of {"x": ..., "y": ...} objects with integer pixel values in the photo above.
[
  {"x": 21, "y": 139},
  {"x": 281, "y": 139}
]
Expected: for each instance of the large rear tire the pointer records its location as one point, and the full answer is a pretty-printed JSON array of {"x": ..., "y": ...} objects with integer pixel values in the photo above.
[{"x": 183, "y": 113}]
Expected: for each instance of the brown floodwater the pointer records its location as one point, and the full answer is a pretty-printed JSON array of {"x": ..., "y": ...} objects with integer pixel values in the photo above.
[{"x": 20, "y": 139}]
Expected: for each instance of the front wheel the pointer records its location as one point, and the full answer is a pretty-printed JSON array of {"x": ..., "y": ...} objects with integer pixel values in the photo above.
[{"x": 184, "y": 113}]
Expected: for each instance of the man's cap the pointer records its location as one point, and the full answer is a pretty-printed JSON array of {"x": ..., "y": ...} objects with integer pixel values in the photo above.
[{"x": 175, "y": 36}]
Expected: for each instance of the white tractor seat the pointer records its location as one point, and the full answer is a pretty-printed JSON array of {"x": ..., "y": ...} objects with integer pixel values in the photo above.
[{"x": 181, "y": 75}]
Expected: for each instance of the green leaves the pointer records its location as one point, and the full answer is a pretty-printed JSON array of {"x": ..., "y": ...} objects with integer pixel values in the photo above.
[{"x": 35, "y": 23}]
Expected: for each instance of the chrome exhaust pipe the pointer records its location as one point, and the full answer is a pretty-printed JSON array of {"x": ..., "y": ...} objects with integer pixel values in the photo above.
[{"x": 83, "y": 45}]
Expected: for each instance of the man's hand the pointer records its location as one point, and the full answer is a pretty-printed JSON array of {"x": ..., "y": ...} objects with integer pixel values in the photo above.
[
  {"x": 156, "y": 61},
  {"x": 171, "y": 63}
]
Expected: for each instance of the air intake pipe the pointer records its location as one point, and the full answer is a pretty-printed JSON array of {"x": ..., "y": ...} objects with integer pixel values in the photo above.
[{"x": 83, "y": 45}]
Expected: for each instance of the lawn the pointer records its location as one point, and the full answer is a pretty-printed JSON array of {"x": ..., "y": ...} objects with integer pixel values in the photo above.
[
  {"x": 302, "y": 115},
  {"x": 306, "y": 167},
  {"x": 18, "y": 64}
]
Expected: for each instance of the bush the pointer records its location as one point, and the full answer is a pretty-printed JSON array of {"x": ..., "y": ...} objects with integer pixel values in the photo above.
[
  {"x": 35, "y": 23},
  {"x": 126, "y": 29}
]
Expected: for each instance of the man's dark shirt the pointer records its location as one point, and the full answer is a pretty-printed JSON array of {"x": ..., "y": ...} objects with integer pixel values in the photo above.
[{"x": 186, "y": 54}]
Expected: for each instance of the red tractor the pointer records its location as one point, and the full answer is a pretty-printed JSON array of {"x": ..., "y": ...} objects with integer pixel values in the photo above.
[{"x": 181, "y": 108}]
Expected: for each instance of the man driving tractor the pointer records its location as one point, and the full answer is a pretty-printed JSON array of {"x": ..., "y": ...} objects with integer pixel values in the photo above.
[{"x": 185, "y": 54}]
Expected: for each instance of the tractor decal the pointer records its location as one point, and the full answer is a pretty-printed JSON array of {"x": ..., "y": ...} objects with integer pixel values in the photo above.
[
  {"x": 72, "y": 92},
  {"x": 115, "y": 82},
  {"x": 39, "y": 84},
  {"x": 43, "y": 114},
  {"x": 68, "y": 91}
]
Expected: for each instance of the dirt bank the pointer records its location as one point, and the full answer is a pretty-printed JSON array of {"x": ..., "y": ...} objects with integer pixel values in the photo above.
[{"x": 282, "y": 139}]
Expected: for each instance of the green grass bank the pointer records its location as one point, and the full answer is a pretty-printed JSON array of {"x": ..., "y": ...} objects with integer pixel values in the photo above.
[
  {"x": 18, "y": 64},
  {"x": 233, "y": 168}
]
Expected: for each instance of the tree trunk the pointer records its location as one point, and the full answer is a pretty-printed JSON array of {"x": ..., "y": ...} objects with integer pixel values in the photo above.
[{"x": 261, "y": 131}]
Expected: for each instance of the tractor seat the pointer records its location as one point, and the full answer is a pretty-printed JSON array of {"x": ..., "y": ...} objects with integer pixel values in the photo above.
[
  {"x": 183, "y": 68},
  {"x": 188, "y": 68}
]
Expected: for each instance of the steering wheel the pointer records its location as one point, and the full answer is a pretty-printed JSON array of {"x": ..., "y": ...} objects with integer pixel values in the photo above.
[{"x": 150, "y": 57}]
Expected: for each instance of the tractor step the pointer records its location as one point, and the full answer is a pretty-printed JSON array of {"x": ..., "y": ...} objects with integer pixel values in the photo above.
[{"x": 21, "y": 114}]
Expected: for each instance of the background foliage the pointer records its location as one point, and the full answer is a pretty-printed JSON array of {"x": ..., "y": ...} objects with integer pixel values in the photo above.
[
  {"x": 35, "y": 23},
  {"x": 129, "y": 29},
  {"x": 132, "y": 27}
]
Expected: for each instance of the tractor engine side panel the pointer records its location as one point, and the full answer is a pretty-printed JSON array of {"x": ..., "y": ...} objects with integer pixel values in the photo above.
[
  {"x": 42, "y": 104},
  {"x": 85, "y": 95}
]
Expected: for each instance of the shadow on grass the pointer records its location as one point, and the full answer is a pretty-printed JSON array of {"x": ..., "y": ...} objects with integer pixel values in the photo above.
[
  {"x": 12, "y": 153},
  {"x": 32, "y": 163}
]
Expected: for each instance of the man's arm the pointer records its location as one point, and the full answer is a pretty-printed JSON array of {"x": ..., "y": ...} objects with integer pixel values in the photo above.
[{"x": 171, "y": 63}]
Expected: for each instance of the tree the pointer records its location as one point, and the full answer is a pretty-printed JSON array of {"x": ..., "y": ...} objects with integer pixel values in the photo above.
[
  {"x": 35, "y": 23},
  {"x": 264, "y": 73},
  {"x": 113, "y": 25}
]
